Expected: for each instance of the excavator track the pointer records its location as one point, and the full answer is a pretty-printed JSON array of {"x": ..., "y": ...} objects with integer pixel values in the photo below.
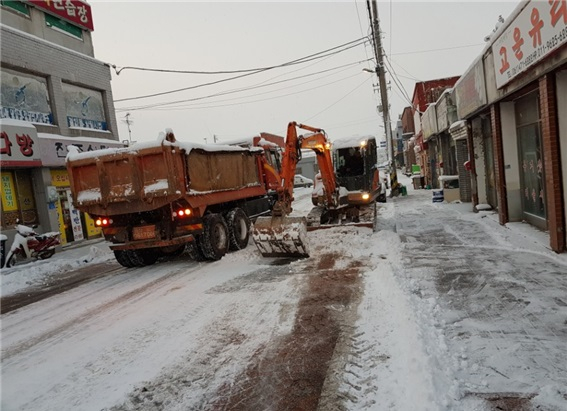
[{"x": 320, "y": 218}]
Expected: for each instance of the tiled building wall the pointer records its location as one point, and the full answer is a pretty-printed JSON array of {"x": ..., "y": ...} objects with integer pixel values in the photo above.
[{"x": 28, "y": 54}]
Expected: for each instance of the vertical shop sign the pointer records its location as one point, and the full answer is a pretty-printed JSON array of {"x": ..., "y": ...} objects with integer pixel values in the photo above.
[
  {"x": 9, "y": 200},
  {"x": 92, "y": 229},
  {"x": 61, "y": 221},
  {"x": 75, "y": 218}
]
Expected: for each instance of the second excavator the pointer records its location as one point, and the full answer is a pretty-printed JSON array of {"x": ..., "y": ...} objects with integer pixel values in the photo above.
[{"x": 282, "y": 235}]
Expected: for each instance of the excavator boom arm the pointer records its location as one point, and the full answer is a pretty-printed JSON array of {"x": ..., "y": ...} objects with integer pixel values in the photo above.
[{"x": 316, "y": 141}]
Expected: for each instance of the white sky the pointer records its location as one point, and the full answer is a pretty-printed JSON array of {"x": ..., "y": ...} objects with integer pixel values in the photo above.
[{"x": 423, "y": 41}]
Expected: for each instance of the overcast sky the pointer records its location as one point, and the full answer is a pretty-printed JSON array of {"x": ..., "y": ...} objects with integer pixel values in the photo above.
[{"x": 422, "y": 40}]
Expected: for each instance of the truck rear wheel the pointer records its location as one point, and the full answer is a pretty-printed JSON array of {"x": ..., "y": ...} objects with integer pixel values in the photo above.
[
  {"x": 194, "y": 250},
  {"x": 136, "y": 258},
  {"x": 145, "y": 256},
  {"x": 214, "y": 240},
  {"x": 238, "y": 229},
  {"x": 123, "y": 258}
]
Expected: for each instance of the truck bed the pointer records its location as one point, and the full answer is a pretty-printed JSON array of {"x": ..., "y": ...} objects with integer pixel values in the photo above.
[{"x": 148, "y": 176}]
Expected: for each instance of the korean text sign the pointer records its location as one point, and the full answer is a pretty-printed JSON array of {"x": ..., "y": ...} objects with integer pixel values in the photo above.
[
  {"x": 75, "y": 11},
  {"x": 539, "y": 29}
]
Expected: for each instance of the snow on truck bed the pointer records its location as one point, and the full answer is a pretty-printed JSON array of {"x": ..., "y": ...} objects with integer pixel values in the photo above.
[
  {"x": 209, "y": 173},
  {"x": 74, "y": 153}
]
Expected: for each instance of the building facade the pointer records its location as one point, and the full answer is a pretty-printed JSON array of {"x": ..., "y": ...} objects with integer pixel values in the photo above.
[
  {"x": 53, "y": 93},
  {"x": 426, "y": 94},
  {"x": 513, "y": 100}
]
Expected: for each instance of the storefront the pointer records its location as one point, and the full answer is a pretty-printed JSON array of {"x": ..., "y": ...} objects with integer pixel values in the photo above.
[
  {"x": 528, "y": 58},
  {"x": 72, "y": 224},
  {"x": 430, "y": 131},
  {"x": 513, "y": 97},
  {"x": 35, "y": 183},
  {"x": 19, "y": 162}
]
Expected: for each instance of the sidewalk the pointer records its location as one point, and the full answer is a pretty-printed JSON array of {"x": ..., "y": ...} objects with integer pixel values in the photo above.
[
  {"x": 82, "y": 243},
  {"x": 499, "y": 294}
]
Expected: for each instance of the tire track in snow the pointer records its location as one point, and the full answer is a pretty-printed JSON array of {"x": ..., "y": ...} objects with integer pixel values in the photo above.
[{"x": 59, "y": 331}]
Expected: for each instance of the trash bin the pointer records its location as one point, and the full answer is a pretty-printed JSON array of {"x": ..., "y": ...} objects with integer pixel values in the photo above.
[
  {"x": 404, "y": 190},
  {"x": 3, "y": 240}
]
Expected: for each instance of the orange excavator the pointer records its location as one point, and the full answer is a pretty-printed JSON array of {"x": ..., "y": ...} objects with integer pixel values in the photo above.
[{"x": 281, "y": 235}]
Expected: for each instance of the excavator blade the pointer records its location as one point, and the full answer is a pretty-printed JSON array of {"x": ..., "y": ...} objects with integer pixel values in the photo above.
[{"x": 281, "y": 236}]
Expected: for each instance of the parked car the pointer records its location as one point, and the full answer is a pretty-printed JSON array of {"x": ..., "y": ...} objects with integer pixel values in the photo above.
[{"x": 302, "y": 181}]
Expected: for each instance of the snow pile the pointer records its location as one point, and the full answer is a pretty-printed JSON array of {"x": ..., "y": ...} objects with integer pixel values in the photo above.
[{"x": 37, "y": 273}]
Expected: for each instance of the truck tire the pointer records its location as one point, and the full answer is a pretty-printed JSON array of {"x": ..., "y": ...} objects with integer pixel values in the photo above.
[
  {"x": 136, "y": 258},
  {"x": 194, "y": 250},
  {"x": 214, "y": 240},
  {"x": 148, "y": 256},
  {"x": 238, "y": 229},
  {"x": 123, "y": 258}
]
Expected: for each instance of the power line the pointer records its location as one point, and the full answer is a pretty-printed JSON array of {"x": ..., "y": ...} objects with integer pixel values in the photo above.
[
  {"x": 433, "y": 50},
  {"x": 253, "y": 101},
  {"x": 297, "y": 61},
  {"x": 155, "y": 105},
  {"x": 336, "y": 102},
  {"x": 396, "y": 81},
  {"x": 118, "y": 71}
]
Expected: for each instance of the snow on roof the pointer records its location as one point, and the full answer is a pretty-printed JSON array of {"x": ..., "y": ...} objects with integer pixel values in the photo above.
[
  {"x": 457, "y": 124},
  {"x": 51, "y": 136},
  {"x": 16, "y": 123},
  {"x": 353, "y": 141}
]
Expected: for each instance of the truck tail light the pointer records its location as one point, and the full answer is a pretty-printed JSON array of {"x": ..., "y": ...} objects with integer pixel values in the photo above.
[
  {"x": 103, "y": 222},
  {"x": 182, "y": 212}
]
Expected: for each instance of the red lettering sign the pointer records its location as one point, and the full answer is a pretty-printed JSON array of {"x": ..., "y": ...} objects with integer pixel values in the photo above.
[
  {"x": 74, "y": 11},
  {"x": 519, "y": 42},
  {"x": 558, "y": 10},
  {"x": 25, "y": 142},
  {"x": 505, "y": 65},
  {"x": 537, "y": 24},
  {"x": 7, "y": 149}
]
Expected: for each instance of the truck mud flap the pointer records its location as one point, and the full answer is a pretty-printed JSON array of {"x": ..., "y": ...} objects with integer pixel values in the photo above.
[{"x": 281, "y": 236}]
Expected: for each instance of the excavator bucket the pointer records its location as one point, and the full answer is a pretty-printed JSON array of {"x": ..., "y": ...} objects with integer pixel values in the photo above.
[{"x": 281, "y": 236}]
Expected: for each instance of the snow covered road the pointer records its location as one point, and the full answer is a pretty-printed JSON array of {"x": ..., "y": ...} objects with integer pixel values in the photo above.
[{"x": 441, "y": 309}]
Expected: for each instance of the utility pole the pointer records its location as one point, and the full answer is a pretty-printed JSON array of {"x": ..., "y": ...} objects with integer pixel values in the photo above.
[
  {"x": 381, "y": 73},
  {"x": 128, "y": 123}
]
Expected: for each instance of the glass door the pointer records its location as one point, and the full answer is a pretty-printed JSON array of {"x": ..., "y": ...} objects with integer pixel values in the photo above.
[
  {"x": 532, "y": 177},
  {"x": 489, "y": 163}
]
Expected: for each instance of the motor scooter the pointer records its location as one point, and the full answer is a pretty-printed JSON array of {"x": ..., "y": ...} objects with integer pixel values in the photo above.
[{"x": 29, "y": 244}]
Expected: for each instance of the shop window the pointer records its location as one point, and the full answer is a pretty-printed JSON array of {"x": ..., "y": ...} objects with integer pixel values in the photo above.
[
  {"x": 17, "y": 6},
  {"x": 24, "y": 97},
  {"x": 68, "y": 28},
  {"x": 18, "y": 201},
  {"x": 84, "y": 107}
]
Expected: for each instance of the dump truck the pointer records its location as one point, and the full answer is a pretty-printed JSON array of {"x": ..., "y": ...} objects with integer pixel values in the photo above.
[
  {"x": 158, "y": 199},
  {"x": 281, "y": 235}
]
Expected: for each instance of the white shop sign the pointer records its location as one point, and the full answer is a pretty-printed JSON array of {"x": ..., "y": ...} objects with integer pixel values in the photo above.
[{"x": 539, "y": 29}]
